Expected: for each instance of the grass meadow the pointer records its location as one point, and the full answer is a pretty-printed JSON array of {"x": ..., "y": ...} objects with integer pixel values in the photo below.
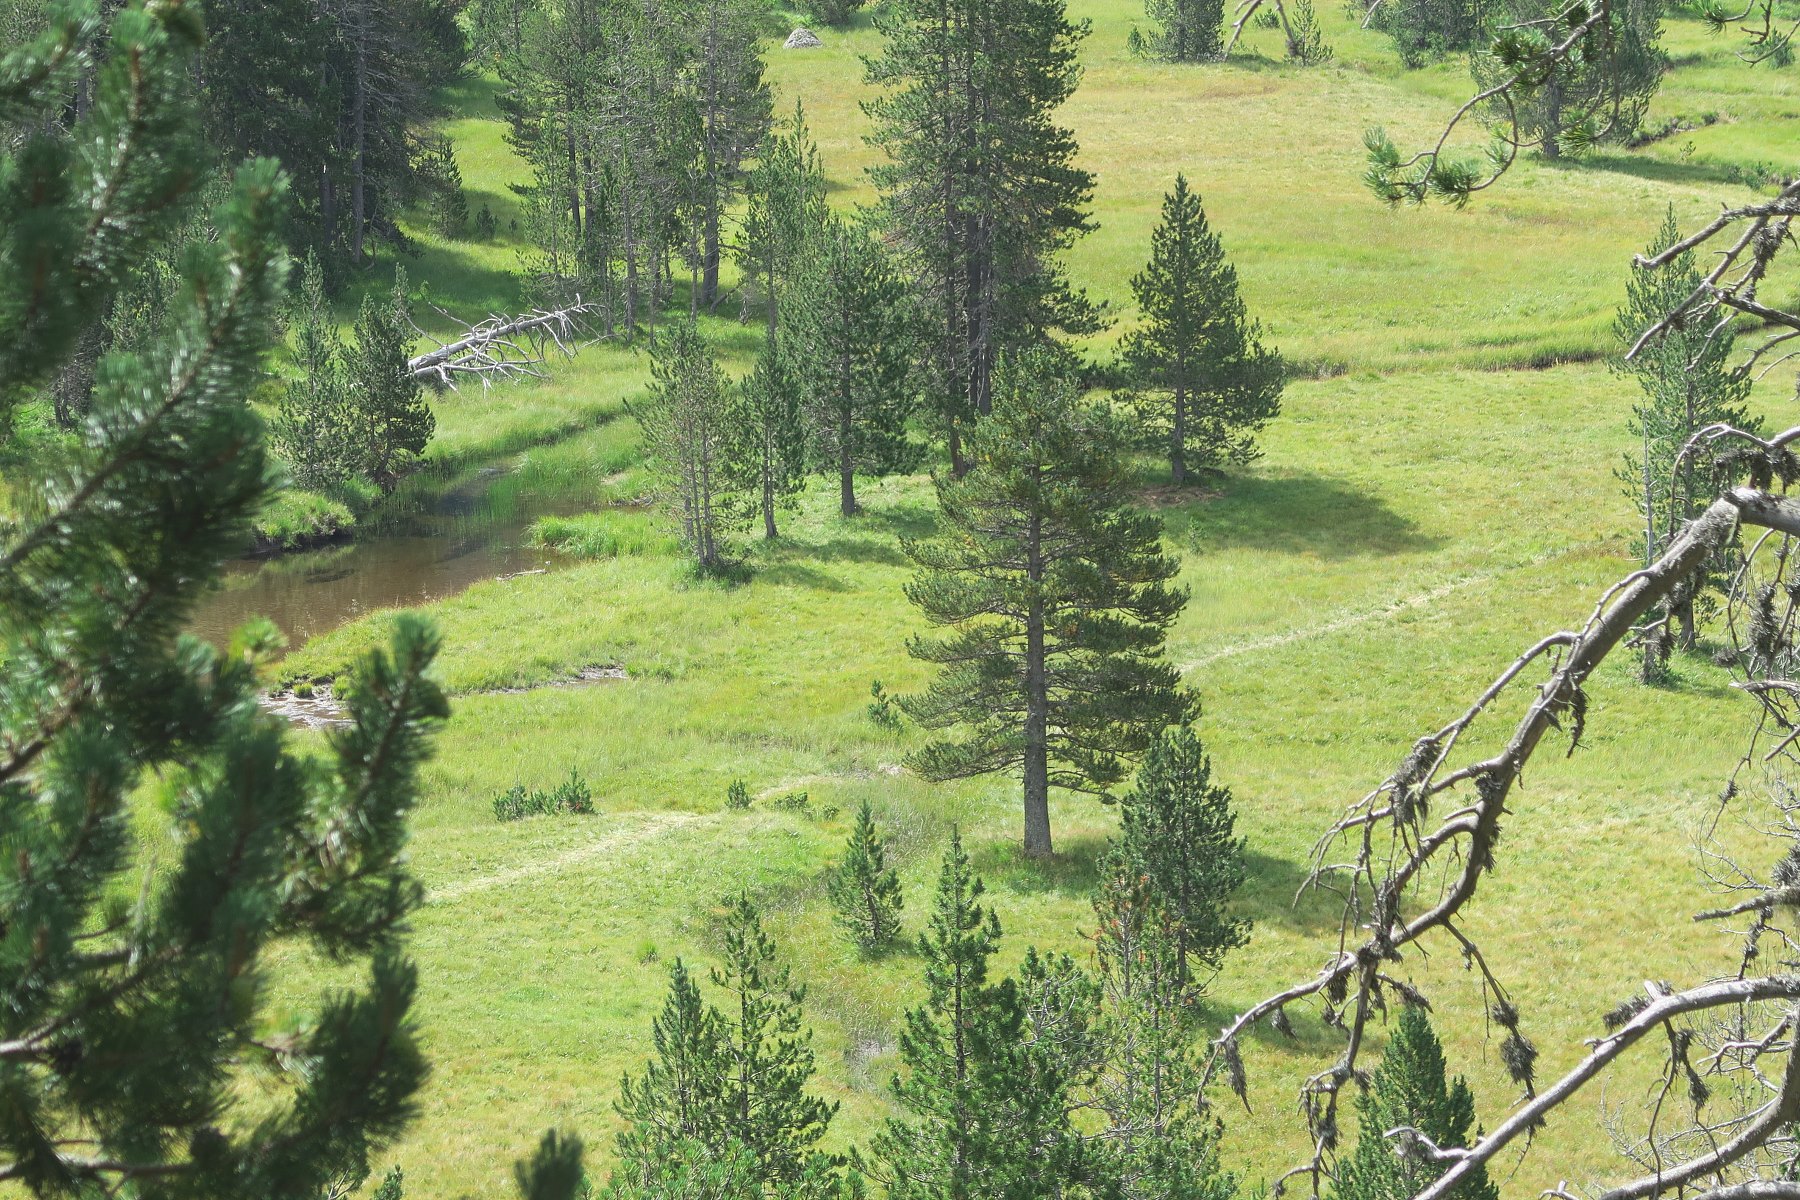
[{"x": 1438, "y": 493}]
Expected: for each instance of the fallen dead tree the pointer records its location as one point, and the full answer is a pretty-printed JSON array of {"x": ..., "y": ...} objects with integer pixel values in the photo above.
[{"x": 504, "y": 347}]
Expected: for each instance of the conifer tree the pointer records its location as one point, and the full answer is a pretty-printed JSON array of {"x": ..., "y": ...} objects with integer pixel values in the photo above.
[
  {"x": 1057, "y": 595},
  {"x": 688, "y": 429},
  {"x": 1177, "y": 834},
  {"x": 680, "y": 1096},
  {"x": 1186, "y": 30},
  {"x": 852, "y": 348},
  {"x": 980, "y": 190},
  {"x": 1157, "y": 1144},
  {"x": 1427, "y": 31},
  {"x": 731, "y": 107},
  {"x": 1409, "y": 1090},
  {"x": 784, "y": 215},
  {"x": 1597, "y": 95},
  {"x": 1688, "y": 383},
  {"x": 770, "y": 455},
  {"x": 315, "y": 427},
  {"x": 865, "y": 890},
  {"x": 133, "y": 1032},
  {"x": 984, "y": 1100},
  {"x": 768, "y": 1054},
  {"x": 1201, "y": 376},
  {"x": 396, "y": 419}
]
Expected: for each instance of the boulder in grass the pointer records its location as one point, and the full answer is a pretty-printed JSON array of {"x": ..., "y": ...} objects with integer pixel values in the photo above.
[{"x": 802, "y": 39}]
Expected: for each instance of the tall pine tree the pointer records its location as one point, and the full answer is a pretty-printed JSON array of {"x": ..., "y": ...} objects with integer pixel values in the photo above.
[
  {"x": 1057, "y": 594},
  {"x": 851, "y": 349},
  {"x": 980, "y": 190},
  {"x": 689, "y": 431},
  {"x": 1200, "y": 373},
  {"x": 315, "y": 427},
  {"x": 1186, "y": 30},
  {"x": 1688, "y": 383},
  {"x": 135, "y": 1031}
]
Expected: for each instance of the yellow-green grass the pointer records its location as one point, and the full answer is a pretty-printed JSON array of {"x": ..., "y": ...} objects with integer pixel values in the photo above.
[{"x": 1415, "y": 522}]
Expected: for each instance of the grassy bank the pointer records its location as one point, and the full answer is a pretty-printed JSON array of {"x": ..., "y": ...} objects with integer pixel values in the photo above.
[{"x": 1425, "y": 508}]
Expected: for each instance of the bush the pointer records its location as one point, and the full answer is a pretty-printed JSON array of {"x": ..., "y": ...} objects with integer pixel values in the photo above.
[
  {"x": 571, "y": 796},
  {"x": 798, "y": 802},
  {"x": 737, "y": 795}
]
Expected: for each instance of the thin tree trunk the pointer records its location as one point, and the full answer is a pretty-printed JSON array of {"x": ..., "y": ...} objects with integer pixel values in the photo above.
[
  {"x": 1178, "y": 445},
  {"x": 1037, "y": 712},
  {"x": 359, "y": 126},
  {"x": 846, "y": 467}
]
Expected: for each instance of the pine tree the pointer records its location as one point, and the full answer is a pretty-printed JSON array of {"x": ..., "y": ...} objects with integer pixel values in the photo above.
[
  {"x": 315, "y": 426},
  {"x": 851, "y": 351},
  {"x": 1688, "y": 383},
  {"x": 836, "y": 13},
  {"x": 865, "y": 890},
  {"x": 681, "y": 1095},
  {"x": 1597, "y": 95},
  {"x": 731, "y": 106},
  {"x": 1057, "y": 593},
  {"x": 396, "y": 419},
  {"x": 137, "y": 1055},
  {"x": 1409, "y": 1089},
  {"x": 1186, "y": 30},
  {"x": 1200, "y": 372},
  {"x": 785, "y": 216},
  {"x": 1177, "y": 834},
  {"x": 688, "y": 427},
  {"x": 980, "y": 191},
  {"x": 770, "y": 458},
  {"x": 1157, "y": 1144},
  {"x": 984, "y": 1096},
  {"x": 1428, "y": 31},
  {"x": 769, "y": 1059}
]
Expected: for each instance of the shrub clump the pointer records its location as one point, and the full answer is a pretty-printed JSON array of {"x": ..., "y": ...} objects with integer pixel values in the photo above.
[{"x": 572, "y": 795}]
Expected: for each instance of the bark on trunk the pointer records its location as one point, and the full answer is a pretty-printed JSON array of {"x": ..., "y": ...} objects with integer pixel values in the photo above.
[
  {"x": 1037, "y": 713},
  {"x": 1178, "y": 444}
]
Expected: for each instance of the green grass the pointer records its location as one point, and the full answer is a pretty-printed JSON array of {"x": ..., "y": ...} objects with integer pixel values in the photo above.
[{"x": 1419, "y": 517}]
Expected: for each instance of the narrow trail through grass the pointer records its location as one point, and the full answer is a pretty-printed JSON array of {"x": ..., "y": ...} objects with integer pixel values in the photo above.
[{"x": 642, "y": 828}]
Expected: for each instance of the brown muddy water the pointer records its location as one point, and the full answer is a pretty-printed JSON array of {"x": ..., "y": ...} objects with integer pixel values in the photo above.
[{"x": 448, "y": 544}]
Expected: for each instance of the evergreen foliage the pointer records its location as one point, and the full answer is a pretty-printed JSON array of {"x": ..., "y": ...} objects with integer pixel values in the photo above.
[
  {"x": 865, "y": 890},
  {"x": 985, "y": 1090},
  {"x": 688, "y": 427},
  {"x": 314, "y": 427},
  {"x": 1201, "y": 375},
  {"x": 1186, "y": 30},
  {"x": 390, "y": 404},
  {"x": 1057, "y": 595},
  {"x": 852, "y": 347},
  {"x": 133, "y": 1016},
  {"x": 1428, "y": 31},
  {"x": 836, "y": 13},
  {"x": 1306, "y": 43},
  {"x": 724, "y": 1098},
  {"x": 1178, "y": 837},
  {"x": 1597, "y": 95},
  {"x": 1688, "y": 382},
  {"x": 980, "y": 191},
  {"x": 770, "y": 458},
  {"x": 768, "y": 1054},
  {"x": 1158, "y": 1144},
  {"x": 1409, "y": 1089},
  {"x": 785, "y": 215}
]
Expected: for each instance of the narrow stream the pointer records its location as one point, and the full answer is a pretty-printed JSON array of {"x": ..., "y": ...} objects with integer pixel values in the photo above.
[{"x": 456, "y": 541}]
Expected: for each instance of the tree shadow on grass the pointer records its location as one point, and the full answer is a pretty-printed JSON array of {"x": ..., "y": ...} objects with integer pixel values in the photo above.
[
  {"x": 1072, "y": 872},
  {"x": 1272, "y": 898},
  {"x": 1699, "y": 173},
  {"x": 848, "y": 547},
  {"x": 798, "y": 574},
  {"x": 1292, "y": 513}
]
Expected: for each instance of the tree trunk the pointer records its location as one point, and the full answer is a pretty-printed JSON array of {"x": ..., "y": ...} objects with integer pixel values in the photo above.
[
  {"x": 1037, "y": 709},
  {"x": 958, "y": 466},
  {"x": 709, "y": 278},
  {"x": 1552, "y": 117},
  {"x": 1178, "y": 442},
  {"x": 846, "y": 469},
  {"x": 359, "y": 126},
  {"x": 768, "y": 502}
]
